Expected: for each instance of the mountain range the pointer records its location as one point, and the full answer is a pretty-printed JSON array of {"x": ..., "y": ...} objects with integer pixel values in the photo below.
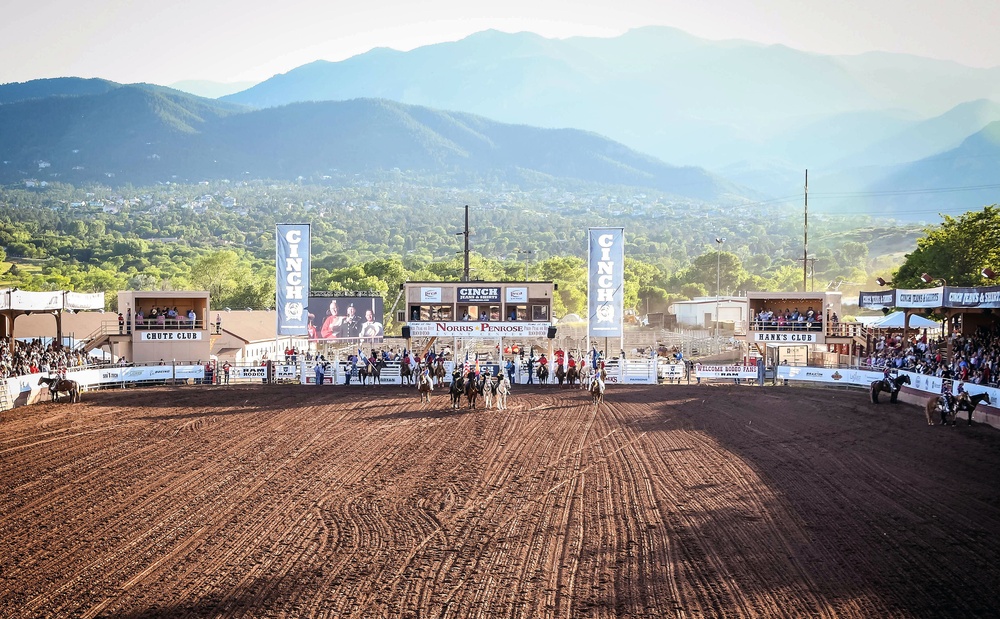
[
  {"x": 757, "y": 114},
  {"x": 145, "y": 134},
  {"x": 890, "y": 134}
]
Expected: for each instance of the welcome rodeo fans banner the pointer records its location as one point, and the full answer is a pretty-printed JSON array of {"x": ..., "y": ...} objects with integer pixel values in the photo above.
[{"x": 292, "y": 268}]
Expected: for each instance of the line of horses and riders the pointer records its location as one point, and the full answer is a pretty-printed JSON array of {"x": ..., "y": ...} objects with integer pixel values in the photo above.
[{"x": 945, "y": 405}]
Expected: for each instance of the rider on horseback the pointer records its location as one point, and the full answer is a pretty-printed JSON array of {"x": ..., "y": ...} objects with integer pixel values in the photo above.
[{"x": 888, "y": 373}]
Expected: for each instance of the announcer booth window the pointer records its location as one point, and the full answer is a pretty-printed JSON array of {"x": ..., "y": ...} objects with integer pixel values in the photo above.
[
  {"x": 540, "y": 313},
  {"x": 517, "y": 312},
  {"x": 437, "y": 312},
  {"x": 489, "y": 312},
  {"x": 415, "y": 313}
]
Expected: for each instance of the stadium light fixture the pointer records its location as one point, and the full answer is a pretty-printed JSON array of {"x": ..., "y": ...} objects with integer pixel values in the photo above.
[
  {"x": 988, "y": 273},
  {"x": 927, "y": 279},
  {"x": 882, "y": 282}
]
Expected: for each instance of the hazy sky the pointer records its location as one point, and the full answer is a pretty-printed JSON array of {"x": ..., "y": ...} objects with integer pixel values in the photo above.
[{"x": 165, "y": 41}]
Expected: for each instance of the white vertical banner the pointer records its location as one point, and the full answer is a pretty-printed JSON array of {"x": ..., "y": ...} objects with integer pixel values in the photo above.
[
  {"x": 606, "y": 282},
  {"x": 292, "y": 288}
]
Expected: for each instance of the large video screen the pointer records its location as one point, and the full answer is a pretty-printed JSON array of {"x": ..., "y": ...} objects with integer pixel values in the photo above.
[{"x": 345, "y": 318}]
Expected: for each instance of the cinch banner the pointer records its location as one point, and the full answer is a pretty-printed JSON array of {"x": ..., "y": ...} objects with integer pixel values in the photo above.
[
  {"x": 606, "y": 290},
  {"x": 292, "y": 289}
]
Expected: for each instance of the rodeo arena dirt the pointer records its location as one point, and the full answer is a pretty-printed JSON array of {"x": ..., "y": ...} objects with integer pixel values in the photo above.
[{"x": 705, "y": 500}]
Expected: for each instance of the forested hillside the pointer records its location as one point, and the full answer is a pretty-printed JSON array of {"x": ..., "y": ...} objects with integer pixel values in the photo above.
[{"x": 373, "y": 234}]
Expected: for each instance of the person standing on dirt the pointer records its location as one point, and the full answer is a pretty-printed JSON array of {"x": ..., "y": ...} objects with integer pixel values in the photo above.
[
  {"x": 225, "y": 371},
  {"x": 319, "y": 374}
]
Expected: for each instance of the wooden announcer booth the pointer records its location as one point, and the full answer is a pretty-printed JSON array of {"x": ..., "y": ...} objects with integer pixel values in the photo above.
[{"x": 484, "y": 311}]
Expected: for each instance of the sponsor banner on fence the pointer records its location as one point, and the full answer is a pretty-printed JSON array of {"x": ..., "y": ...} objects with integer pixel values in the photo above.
[
  {"x": 170, "y": 336},
  {"x": 292, "y": 270},
  {"x": 845, "y": 376},
  {"x": 725, "y": 371},
  {"x": 670, "y": 370},
  {"x": 252, "y": 371},
  {"x": 605, "y": 287},
  {"x": 479, "y": 329},
  {"x": 286, "y": 372}
]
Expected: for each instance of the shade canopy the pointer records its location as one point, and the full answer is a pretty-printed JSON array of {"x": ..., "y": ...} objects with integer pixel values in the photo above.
[{"x": 895, "y": 321}]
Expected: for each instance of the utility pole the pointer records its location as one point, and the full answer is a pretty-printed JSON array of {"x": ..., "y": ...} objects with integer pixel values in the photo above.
[
  {"x": 465, "y": 271},
  {"x": 805, "y": 242}
]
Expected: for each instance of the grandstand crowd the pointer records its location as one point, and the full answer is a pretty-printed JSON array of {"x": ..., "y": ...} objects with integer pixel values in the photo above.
[
  {"x": 35, "y": 356},
  {"x": 974, "y": 358}
]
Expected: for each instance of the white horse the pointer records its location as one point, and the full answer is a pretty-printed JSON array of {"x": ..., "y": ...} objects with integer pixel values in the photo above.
[
  {"x": 585, "y": 373},
  {"x": 424, "y": 386},
  {"x": 488, "y": 390},
  {"x": 503, "y": 391}
]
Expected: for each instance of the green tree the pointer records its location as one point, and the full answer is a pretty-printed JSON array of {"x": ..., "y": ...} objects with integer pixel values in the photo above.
[{"x": 956, "y": 251}]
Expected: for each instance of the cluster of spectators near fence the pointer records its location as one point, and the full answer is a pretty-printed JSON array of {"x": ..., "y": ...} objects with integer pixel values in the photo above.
[
  {"x": 974, "y": 358},
  {"x": 34, "y": 357},
  {"x": 791, "y": 320}
]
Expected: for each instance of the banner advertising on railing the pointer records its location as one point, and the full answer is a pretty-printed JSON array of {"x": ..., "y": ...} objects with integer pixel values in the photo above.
[
  {"x": 25, "y": 300},
  {"x": 605, "y": 288},
  {"x": 973, "y": 297},
  {"x": 293, "y": 264},
  {"x": 928, "y": 298},
  {"x": 725, "y": 371},
  {"x": 84, "y": 301},
  {"x": 877, "y": 299},
  {"x": 480, "y": 329}
]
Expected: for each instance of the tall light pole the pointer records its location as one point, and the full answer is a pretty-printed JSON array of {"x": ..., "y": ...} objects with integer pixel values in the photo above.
[
  {"x": 527, "y": 256},
  {"x": 718, "y": 282}
]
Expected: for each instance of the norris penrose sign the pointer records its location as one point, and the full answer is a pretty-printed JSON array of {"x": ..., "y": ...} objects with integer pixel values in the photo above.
[{"x": 479, "y": 329}]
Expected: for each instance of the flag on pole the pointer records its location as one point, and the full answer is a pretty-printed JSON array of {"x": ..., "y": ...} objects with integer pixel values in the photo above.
[{"x": 477, "y": 366}]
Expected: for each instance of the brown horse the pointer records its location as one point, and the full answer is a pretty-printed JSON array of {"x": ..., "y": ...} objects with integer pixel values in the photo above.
[
  {"x": 968, "y": 402},
  {"x": 406, "y": 372},
  {"x": 542, "y": 373},
  {"x": 560, "y": 375},
  {"x": 893, "y": 388},
  {"x": 597, "y": 391},
  {"x": 572, "y": 375},
  {"x": 473, "y": 387},
  {"x": 439, "y": 372},
  {"x": 935, "y": 405},
  {"x": 58, "y": 385}
]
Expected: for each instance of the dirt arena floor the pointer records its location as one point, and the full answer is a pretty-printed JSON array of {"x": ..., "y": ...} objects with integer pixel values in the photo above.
[{"x": 668, "y": 501}]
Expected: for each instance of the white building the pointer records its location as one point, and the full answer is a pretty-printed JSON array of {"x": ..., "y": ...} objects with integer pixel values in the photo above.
[{"x": 701, "y": 311}]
